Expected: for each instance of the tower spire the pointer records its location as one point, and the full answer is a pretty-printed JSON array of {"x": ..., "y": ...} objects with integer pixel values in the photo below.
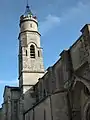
[
  {"x": 27, "y": 4},
  {"x": 28, "y": 11}
]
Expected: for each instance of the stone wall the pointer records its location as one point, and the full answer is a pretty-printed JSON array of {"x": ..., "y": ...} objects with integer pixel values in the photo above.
[
  {"x": 40, "y": 111},
  {"x": 54, "y": 107},
  {"x": 0, "y": 113},
  {"x": 29, "y": 99},
  {"x": 60, "y": 106}
]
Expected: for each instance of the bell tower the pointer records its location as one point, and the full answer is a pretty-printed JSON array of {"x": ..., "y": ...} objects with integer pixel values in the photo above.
[{"x": 31, "y": 66}]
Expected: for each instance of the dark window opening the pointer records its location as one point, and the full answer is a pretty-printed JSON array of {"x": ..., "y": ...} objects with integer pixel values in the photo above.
[
  {"x": 38, "y": 53},
  {"x": 32, "y": 51},
  {"x": 26, "y": 52},
  {"x": 44, "y": 93},
  {"x": 44, "y": 114},
  {"x": 86, "y": 90},
  {"x": 30, "y": 25}
]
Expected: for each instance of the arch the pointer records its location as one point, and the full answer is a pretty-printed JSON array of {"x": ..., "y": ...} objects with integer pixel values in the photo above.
[
  {"x": 32, "y": 51},
  {"x": 83, "y": 80},
  {"x": 33, "y": 43},
  {"x": 86, "y": 114},
  {"x": 81, "y": 83},
  {"x": 76, "y": 103}
]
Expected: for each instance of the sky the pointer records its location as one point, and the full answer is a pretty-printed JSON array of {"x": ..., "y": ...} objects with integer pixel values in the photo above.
[{"x": 60, "y": 22}]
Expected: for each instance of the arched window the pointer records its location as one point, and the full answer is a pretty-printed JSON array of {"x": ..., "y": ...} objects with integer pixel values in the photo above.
[{"x": 32, "y": 51}]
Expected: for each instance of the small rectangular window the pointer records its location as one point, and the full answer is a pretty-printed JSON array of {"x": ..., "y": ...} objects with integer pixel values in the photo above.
[
  {"x": 30, "y": 25},
  {"x": 26, "y": 52},
  {"x": 38, "y": 53}
]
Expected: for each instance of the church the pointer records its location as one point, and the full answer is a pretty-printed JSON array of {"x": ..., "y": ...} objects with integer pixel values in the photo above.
[{"x": 61, "y": 92}]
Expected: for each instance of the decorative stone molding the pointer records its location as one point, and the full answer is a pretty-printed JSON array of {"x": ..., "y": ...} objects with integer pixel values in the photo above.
[{"x": 86, "y": 111}]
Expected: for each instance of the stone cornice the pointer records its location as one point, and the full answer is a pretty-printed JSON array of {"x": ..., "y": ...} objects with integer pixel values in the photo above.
[
  {"x": 27, "y": 71},
  {"x": 28, "y": 31},
  {"x": 24, "y": 71}
]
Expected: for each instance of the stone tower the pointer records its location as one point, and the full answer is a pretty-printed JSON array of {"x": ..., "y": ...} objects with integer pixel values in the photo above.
[{"x": 31, "y": 66}]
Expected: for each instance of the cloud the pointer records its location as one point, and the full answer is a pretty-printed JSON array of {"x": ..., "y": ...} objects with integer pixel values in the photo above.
[
  {"x": 50, "y": 22},
  {"x": 77, "y": 12}
]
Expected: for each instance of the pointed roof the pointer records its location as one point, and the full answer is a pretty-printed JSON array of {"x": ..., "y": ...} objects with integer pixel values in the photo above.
[
  {"x": 28, "y": 11},
  {"x": 28, "y": 14}
]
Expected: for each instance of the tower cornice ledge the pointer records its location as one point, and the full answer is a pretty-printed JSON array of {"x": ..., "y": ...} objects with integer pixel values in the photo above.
[
  {"x": 28, "y": 31},
  {"x": 28, "y": 71}
]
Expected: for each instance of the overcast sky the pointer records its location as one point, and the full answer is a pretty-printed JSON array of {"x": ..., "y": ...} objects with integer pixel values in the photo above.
[{"x": 60, "y": 22}]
